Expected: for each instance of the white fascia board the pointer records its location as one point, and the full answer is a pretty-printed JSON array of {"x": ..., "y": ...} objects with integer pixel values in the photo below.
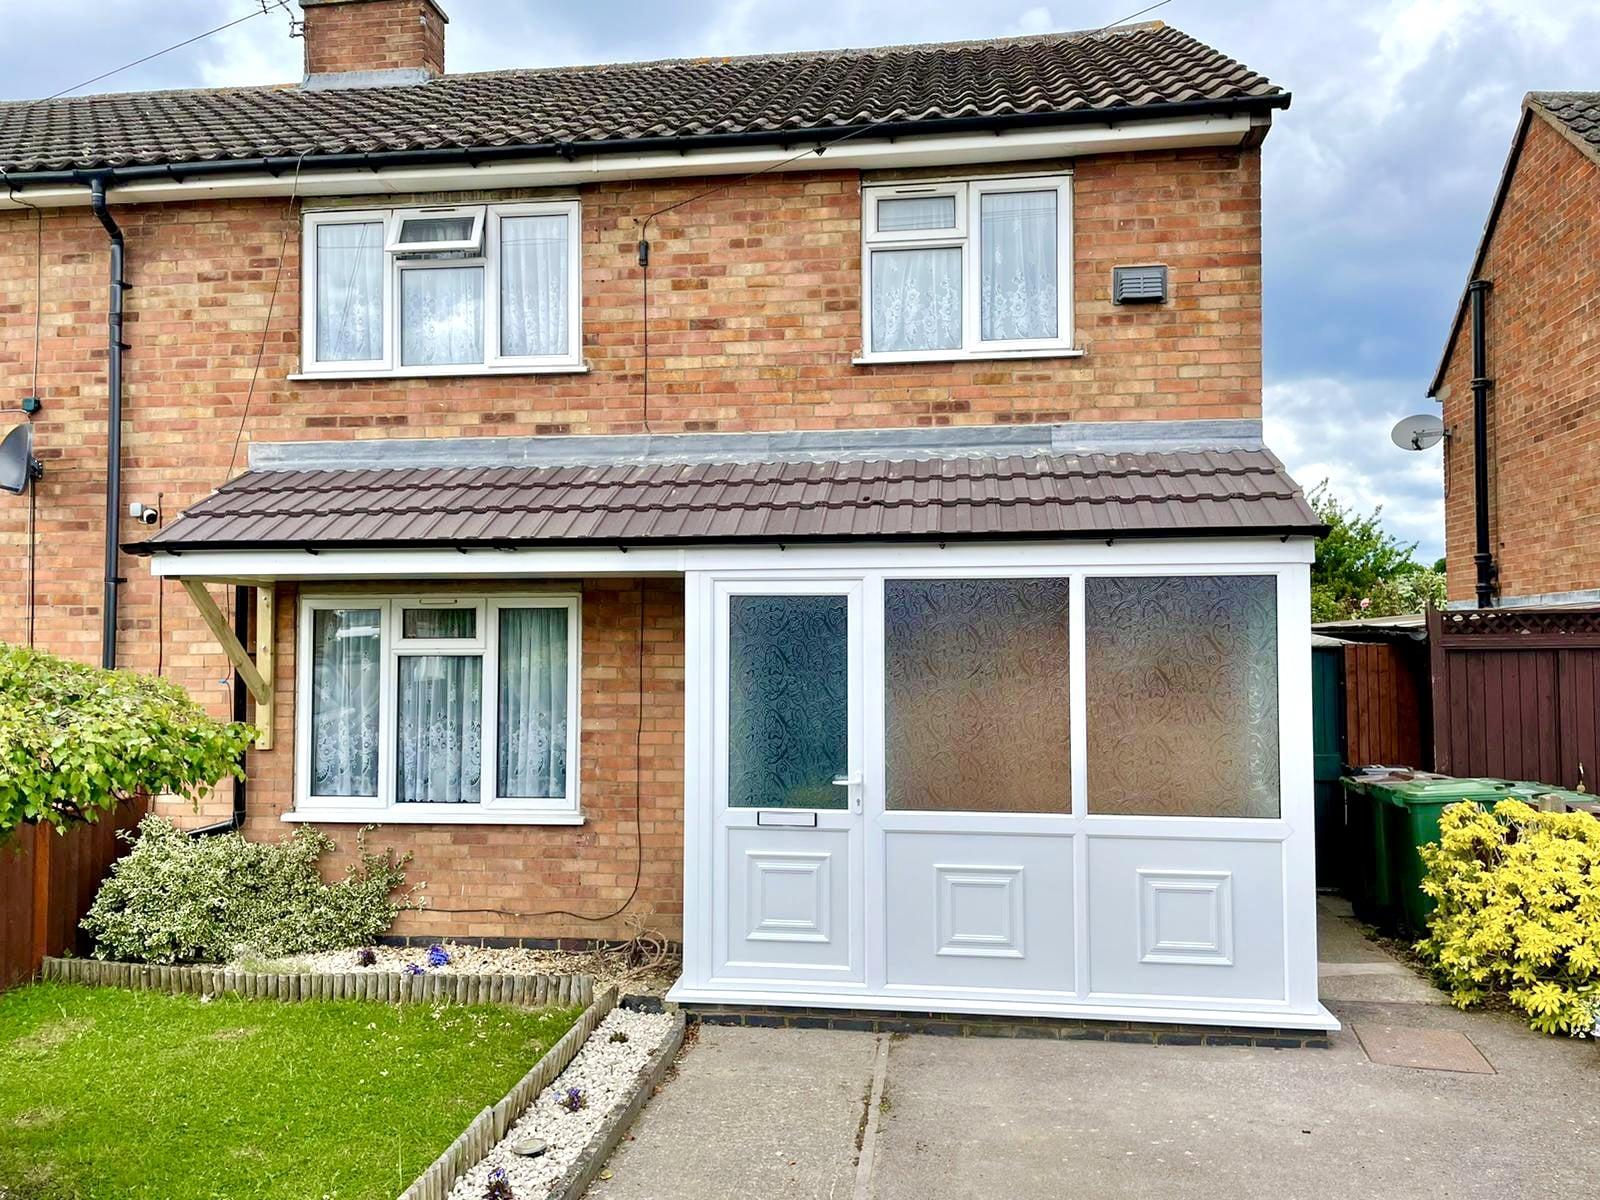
[
  {"x": 938, "y": 150},
  {"x": 1136, "y": 554}
]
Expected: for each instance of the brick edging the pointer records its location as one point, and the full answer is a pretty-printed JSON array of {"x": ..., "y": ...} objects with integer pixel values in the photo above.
[
  {"x": 575, "y": 1181},
  {"x": 485, "y": 1130},
  {"x": 1042, "y": 1028},
  {"x": 389, "y": 987}
]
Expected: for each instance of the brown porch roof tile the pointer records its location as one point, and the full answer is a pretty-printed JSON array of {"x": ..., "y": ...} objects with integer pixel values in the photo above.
[{"x": 1189, "y": 492}]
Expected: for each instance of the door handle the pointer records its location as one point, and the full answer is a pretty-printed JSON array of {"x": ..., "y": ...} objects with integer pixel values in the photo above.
[{"x": 853, "y": 782}]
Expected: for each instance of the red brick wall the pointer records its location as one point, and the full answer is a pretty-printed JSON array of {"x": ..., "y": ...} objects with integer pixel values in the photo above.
[
  {"x": 755, "y": 316},
  {"x": 1543, "y": 340},
  {"x": 373, "y": 35}
]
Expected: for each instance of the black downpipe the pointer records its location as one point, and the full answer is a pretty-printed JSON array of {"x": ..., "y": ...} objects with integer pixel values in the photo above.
[
  {"x": 1482, "y": 558},
  {"x": 114, "y": 348},
  {"x": 243, "y": 601}
]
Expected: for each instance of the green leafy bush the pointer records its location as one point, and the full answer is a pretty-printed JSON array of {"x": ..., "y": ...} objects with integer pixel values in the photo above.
[
  {"x": 176, "y": 899},
  {"x": 1518, "y": 895},
  {"x": 75, "y": 740}
]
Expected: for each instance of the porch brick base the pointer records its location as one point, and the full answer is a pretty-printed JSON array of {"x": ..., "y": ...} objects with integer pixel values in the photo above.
[{"x": 1046, "y": 1028}]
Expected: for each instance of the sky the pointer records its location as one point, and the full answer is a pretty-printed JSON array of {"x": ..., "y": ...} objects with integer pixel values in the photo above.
[{"x": 1376, "y": 184}]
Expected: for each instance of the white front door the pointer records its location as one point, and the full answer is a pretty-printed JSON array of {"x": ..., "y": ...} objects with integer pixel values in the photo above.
[{"x": 787, "y": 772}]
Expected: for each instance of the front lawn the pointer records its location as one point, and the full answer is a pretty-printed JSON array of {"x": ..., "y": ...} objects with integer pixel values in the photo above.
[{"x": 106, "y": 1093}]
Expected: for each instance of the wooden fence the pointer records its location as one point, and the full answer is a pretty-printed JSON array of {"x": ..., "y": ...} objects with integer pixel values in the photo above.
[
  {"x": 48, "y": 881},
  {"x": 1516, "y": 693},
  {"x": 1386, "y": 705}
]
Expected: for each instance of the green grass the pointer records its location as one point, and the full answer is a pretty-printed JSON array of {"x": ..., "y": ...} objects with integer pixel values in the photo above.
[{"x": 106, "y": 1093}]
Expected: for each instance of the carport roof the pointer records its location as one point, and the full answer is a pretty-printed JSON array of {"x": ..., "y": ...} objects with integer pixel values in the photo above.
[{"x": 1209, "y": 493}]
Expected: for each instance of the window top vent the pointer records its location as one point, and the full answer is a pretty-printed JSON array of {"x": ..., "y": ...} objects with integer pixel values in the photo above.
[{"x": 1139, "y": 285}]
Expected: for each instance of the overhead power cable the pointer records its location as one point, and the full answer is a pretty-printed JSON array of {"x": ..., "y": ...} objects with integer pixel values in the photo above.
[{"x": 262, "y": 8}]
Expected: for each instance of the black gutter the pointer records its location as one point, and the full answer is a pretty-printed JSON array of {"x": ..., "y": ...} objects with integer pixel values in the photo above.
[
  {"x": 242, "y": 602},
  {"x": 785, "y": 138},
  {"x": 178, "y": 549},
  {"x": 1482, "y": 558},
  {"x": 114, "y": 348}
]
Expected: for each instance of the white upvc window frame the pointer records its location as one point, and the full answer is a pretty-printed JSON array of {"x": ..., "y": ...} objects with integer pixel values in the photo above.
[
  {"x": 967, "y": 236},
  {"x": 491, "y": 808},
  {"x": 482, "y": 250},
  {"x": 472, "y": 242}
]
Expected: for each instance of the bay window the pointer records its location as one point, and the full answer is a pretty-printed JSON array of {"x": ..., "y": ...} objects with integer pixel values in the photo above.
[
  {"x": 438, "y": 708},
  {"x": 973, "y": 269},
  {"x": 458, "y": 289}
]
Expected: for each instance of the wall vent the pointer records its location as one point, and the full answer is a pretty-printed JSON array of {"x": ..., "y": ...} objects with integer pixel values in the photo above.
[{"x": 1138, "y": 285}]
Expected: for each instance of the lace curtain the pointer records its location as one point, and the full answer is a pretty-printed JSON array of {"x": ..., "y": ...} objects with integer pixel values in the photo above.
[
  {"x": 916, "y": 299},
  {"x": 345, "y": 666},
  {"x": 533, "y": 285},
  {"x": 441, "y": 316},
  {"x": 1018, "y": 268},
  {"x": 440, "y": 730},
  {"x": 532, "y": 730},
  {"x": 350, "y": 263}
]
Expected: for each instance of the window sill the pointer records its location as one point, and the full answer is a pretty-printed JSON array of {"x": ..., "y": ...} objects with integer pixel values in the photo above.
[
  {"x": 579, "y": 368},
  {"x": 399, "y": 816},
  {"x": 922, "y": 356}
]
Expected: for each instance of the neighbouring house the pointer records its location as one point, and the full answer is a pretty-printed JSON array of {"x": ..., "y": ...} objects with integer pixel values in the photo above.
[
  {"x": 1516, "y": 689},
  {"x": 812, "y": 505}
]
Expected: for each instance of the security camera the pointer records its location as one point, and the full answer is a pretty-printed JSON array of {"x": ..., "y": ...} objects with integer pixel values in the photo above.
[{"x": 145, "y": 513}]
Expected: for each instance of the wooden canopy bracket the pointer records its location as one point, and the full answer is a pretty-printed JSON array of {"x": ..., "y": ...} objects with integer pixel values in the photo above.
[{"x": 251, "y": 672}]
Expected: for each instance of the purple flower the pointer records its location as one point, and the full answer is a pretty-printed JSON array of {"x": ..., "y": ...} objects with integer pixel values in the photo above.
[
  {"x": 499, "y": 1187},
  {"x": 413, "y": 969},
  {"x": 438, "y": 956},
  {"x": 573, "y": 1099},
  {"x": 366, "y": 957}
]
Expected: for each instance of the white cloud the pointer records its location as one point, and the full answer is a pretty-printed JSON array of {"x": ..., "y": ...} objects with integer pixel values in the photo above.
[{"x": 1338, "y": 431}]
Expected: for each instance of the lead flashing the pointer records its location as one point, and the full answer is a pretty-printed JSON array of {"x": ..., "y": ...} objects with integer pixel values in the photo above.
[{"x": 830, "y": 445}]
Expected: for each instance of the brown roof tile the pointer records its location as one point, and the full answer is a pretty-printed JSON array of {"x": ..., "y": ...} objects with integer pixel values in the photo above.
[
  {"x": 1213, "y": 492},
  {"x": 1127, "y": 67}
]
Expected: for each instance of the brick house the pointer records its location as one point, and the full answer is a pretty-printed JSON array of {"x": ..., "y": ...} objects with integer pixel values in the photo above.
[
  {"x": 1540, "y": 261},
  {"x": 811, "y": 505}
]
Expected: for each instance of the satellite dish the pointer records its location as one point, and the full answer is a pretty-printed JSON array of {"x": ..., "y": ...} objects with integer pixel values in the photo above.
[
  {"x": 1418, "y": 433},
  {"x": 18, "y": 466}
]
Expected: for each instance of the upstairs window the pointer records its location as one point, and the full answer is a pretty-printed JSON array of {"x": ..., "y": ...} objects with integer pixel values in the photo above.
[
  {"x": 973, "y": 269},
  {"x": 459, "y": 289}
]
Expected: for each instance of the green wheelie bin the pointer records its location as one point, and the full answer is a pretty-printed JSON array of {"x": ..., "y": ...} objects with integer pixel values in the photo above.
[{"x": 1410, "y": 813}]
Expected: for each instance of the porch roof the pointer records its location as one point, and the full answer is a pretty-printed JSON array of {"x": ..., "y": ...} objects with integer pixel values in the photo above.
[{"x": 1196, "y": 492}]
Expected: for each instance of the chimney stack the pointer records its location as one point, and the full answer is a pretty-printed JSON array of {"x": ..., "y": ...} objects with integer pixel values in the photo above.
[{"x": 372, "y": 43}]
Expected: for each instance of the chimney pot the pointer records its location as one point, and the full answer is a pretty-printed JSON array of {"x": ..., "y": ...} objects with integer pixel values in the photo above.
[{"x": 372, "y": 43}]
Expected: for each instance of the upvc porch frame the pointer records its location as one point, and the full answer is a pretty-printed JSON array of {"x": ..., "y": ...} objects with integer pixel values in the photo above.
[{"x": 1286, "y": 559}]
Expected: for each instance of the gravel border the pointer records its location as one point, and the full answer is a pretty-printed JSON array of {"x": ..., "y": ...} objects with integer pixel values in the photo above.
[{"x": 617, "y": 1080}]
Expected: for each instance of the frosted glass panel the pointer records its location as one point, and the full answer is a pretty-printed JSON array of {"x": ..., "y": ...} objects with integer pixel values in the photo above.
[
  {"x": 916, "y": 299},
  {"x": 532, "y": 741},
  {"x": 533, "y": 285},
  {"x": 441, "y": 316},
  {"x": 344, "y": 701},
  {"x": 1183, "y": 695},
  {"x": 788, "y": 701},
  {"x": 1018, "y": 265},
  {"x": 440, "y": 730},
  {"x": 439, "y": 623},
  {"x": 350, "y": 292},
  {"x": 975, "y": 674},
  {"x": 916, "y": 212}
]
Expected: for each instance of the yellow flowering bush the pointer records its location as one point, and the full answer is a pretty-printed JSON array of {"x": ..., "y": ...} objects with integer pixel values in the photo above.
[{"x": 1518, "y": 894}]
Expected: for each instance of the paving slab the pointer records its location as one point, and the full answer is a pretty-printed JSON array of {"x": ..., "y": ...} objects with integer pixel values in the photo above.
[
  {"x": 1421, "y": 1049},
  {"x": 752, "y": 1113}
]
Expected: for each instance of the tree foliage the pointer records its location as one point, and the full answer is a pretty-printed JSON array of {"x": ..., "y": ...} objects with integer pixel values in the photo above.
[
  {"x": 1362, "y": 570},
  {"x": 76, "y": 740}
]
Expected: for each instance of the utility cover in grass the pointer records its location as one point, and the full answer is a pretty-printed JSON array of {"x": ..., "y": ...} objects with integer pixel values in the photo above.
[{"x": 106, "y": 1093}]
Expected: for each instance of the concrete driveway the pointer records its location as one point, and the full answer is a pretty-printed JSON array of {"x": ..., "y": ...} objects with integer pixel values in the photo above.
[{"x": 819, "y": 1113}]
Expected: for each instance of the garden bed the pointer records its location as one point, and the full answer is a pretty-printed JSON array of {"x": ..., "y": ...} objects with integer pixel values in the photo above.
[
  {"x": 650, "y": 972},
  {"x": 110, "y": 1092}
]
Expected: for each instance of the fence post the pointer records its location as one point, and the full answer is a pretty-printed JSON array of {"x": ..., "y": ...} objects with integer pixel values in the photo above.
[{"x": 41, "y": 894}]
